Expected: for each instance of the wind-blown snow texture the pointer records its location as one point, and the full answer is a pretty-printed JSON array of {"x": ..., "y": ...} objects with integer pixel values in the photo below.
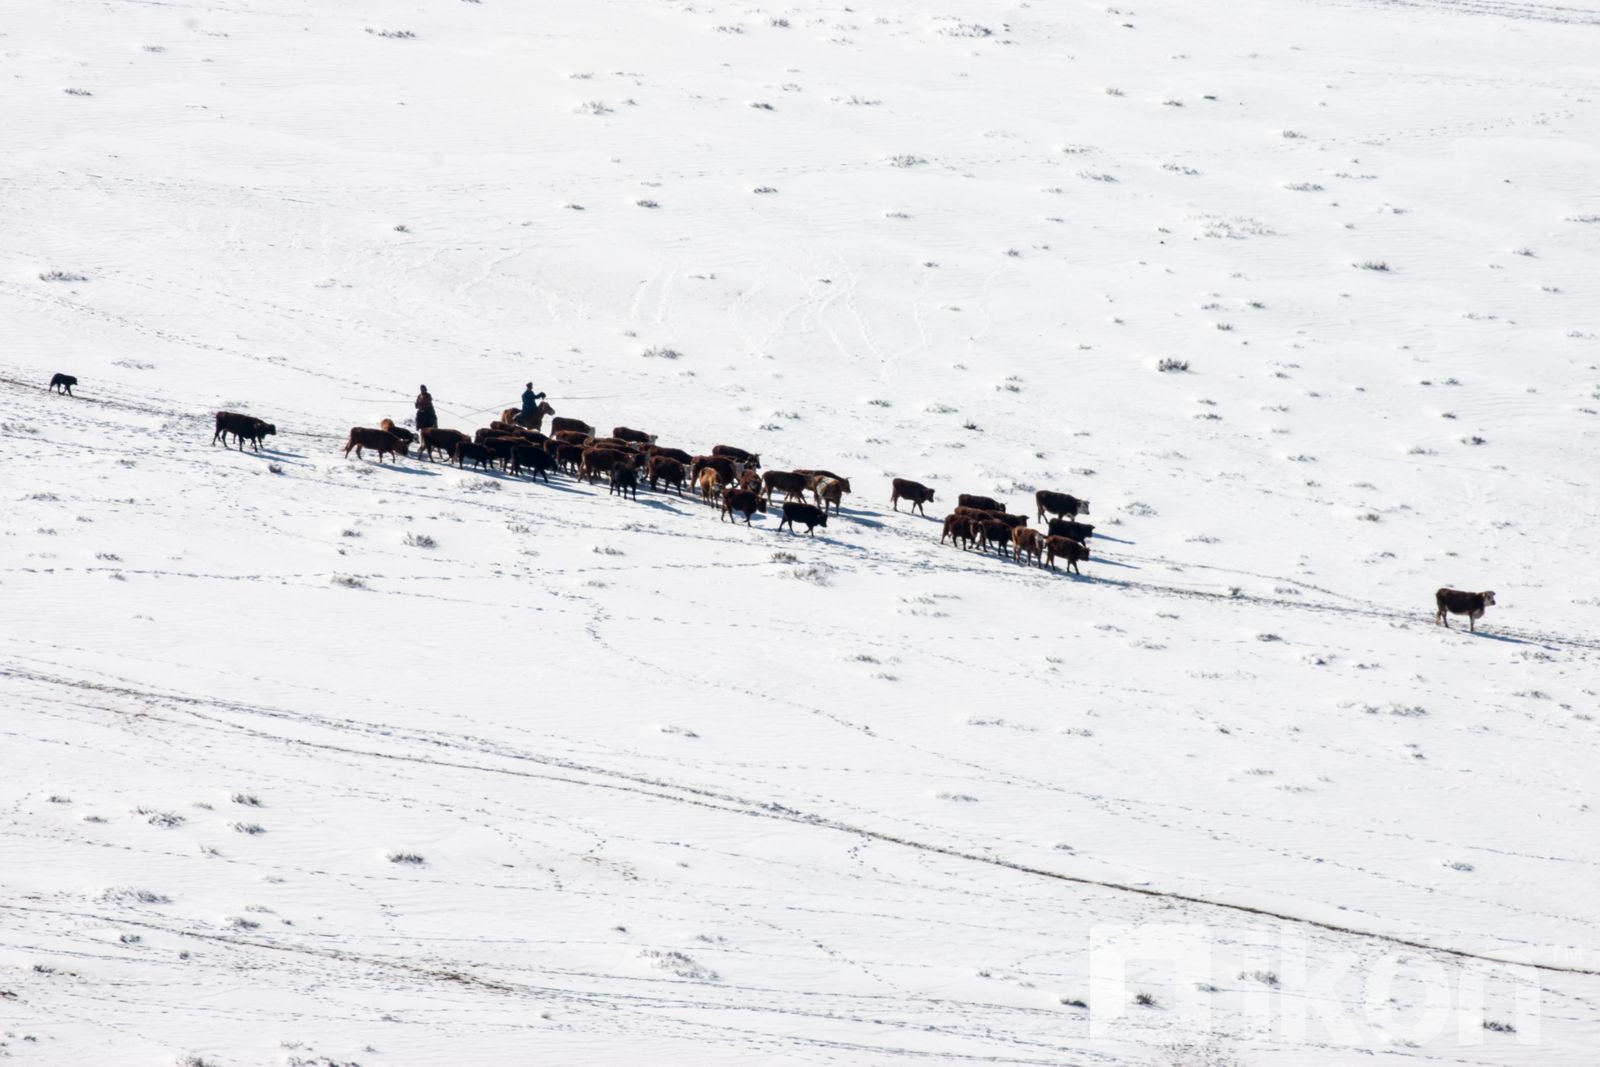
[{"x": 589, "y": 779}]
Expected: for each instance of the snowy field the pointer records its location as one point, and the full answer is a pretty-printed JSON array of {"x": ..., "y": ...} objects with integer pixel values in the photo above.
[{"x": 309, "y": 761}]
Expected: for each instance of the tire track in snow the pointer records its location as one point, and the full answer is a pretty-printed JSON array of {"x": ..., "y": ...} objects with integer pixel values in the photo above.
[{"x": 663, "y": 789}]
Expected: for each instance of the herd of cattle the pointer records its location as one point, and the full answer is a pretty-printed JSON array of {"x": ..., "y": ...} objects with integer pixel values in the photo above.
[
  {"x": 728, "y": 478},
  {"x": 731, "y": 477}
]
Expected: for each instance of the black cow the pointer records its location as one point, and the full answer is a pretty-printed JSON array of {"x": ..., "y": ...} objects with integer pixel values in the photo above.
[
  {"x": 1059, "y": 504},
  {"x": 243, "y": 428},
  {"x": 906, "y": 489},
  {"x": 63, "y": 383},
  {"x": 534, "y": 458},
  {"x": 745, "y": 501},
  {"x": 809, "y": 514},
  {"x": 478, "y": 455},
  {"x": 1078, "y": 531},
  {"x": 625, "y": 481},
  {"x": 1455, "y": 602}
]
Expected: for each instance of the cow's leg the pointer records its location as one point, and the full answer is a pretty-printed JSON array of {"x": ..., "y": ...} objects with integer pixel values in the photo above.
[{"x": 1472, "y": 621}]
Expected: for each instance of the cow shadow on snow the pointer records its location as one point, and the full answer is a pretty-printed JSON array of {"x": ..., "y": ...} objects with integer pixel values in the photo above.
[
  {"x": 415, "y": 472},
  {"x": 1485, "y": 636}
]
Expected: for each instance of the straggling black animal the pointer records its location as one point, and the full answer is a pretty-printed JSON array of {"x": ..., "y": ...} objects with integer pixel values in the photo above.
[
  {"x": 1457, "y": 602},
  {"x": 62, "y": 383},
  {"x": 243, "y": 428}
]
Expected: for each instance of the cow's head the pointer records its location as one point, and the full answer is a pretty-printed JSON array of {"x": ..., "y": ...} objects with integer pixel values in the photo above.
[
  {"x": 268, "y": 428},
  {"x": 1488, "y": 598},
  {"x": 1083, "y": 507}
]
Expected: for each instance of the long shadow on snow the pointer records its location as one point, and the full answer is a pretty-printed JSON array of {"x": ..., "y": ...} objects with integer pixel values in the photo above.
[
  {"x": 829, "y": 541},
  {"x": 418, "y": 472},
  {"x": 661, "y": 504},
  {"x": 1500, "y": 637},
  {"x": 859, "y": 518}
]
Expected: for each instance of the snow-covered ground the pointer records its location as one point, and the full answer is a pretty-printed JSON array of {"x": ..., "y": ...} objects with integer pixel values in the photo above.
[{"x": 307, "y": 760}]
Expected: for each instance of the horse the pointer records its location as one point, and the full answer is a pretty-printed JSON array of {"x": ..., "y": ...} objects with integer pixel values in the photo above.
[{"x": 534, "y": 420}]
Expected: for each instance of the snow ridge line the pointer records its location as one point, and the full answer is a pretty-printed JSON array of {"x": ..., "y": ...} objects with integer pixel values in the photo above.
[{"x": 734, "y": 804}]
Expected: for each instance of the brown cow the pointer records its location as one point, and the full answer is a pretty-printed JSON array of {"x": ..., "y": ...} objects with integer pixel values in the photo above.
[
  {"x": 501, "y": 446},
  {"x": 958, "y": 528},
  {"x": 511, "y": 429},
  {"x": 557, "y": 425},
  {"x": 750, "y": 480},
  {"x": 572, "y": 437},
  {"x": 792, "y": 485},
  {"x": 1068, "y": 549},
  {"x": 710, "y": 483},
  {"x": 399, "y": 431},
  {"x": 1456, "y": 602},
  {"x": 745, "y": 501},
  {"x": 636, "y": 436},
  {"x": 817, "y": 479},
  {"x": 1024, "y": 540},
  {"x": 613, "y": 442},
  {"x": 671, "y": 453},
  {"x": 381, "y": 440},
  {"x": 1059, "y": 504},
  {"x": 443, "y": 440},
  {"x": 1012, "y": 521},
  {"x": 726, "y": 468},
  {"x": 666, "y": 469},
  {"x": 568, "y": 457},
  {"x": 986, "y": 503},
  {"x": 749, "y": 459},
  {"x": 916, "y": 492},
  {"x": 991, "y": 533},
  {"x": 828, "y": 492},
  {"x": 598, "y": 461}
]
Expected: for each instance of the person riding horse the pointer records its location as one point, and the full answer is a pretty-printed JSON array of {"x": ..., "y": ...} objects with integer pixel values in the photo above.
[{"x": 530, "y": 401}]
